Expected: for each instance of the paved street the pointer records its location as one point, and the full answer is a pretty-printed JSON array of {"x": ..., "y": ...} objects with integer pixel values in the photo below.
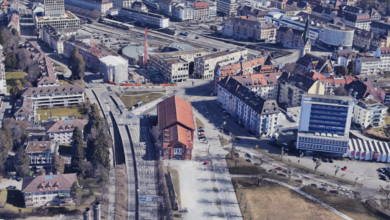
[{"x": 11, "y": 182}]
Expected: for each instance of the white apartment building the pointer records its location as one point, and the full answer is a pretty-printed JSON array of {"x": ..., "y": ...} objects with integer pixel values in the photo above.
[
  {"x": 122, "y": 3},
  {"x": 145, "y": 17},
  {"x": 227, "y": 7},
  {"x": 266, "y": 85},
  {"x": 55, "y": 95},
  {"x": 183, "y": 13},
  {"x": 204, "y": 66},
  {"x": 41, "y": 153},
  {"x": 324, "y": 124},
  {"x": 62, "y": 130},
  {"x": 255, "y": 113},
  {"x": 48, "y": 190},
  {"x": 384, "y": 54},
  {"x": 369, "y": 112},
  {"x": 368, "y": 66}
]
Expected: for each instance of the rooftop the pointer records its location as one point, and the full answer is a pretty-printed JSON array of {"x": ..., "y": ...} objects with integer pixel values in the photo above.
[
  {"x": 175, "y": 110},
  {"x": 48, "y": 182},
  {"x": 52, "y": 90},
  {"x": 221, "y": 53},
  {"x": 41, "y": 146},
  {"x": 65, "y": 125},
  {"x": 114, "y": 60}
]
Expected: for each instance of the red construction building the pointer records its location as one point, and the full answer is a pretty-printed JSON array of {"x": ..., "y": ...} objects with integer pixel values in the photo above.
[{"x": 176, "y": 122}]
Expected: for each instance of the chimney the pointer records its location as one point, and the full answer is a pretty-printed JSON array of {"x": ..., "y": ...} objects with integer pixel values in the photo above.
[
  {"x": 87, "y": 214},
  {"x": 96, "y": 211}
]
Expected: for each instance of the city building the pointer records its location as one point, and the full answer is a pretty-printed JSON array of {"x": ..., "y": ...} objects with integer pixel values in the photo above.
[
  {"x": 368, "y": 66},
  {"x": 183, "y": 13},
  {"x": 54, "y": 8},
  {"x": 99, "y": 5},
  {"x": 380, "y": 27},
  {"x": 62, "y": 130},
  {"x": 23, "y": 108},
  {"x": 289, "y": 37},
  {"x": 48, "y": 190},
  {"x": 175, "y": 120},
  {"x": 114, "y": 69},
  {"x": 14, "y": 22},
  {"x": 252, "y": 10},
  {"x": 122, "y": 3},
  {"x": 139, "y": 6},
  {"x": 90, "y": 54},
  {"x": 343, "y": 57},
  {"x": 358, "y": 18},
  {"x": 55, "y": 38},
  {"x": 255, "y": 113},
  {"x": 383, "y": 92},
  {"x": 145, "y": 17},
  {"x": 212, "y": 9},
  {"x": 383, "y": 53},
  {"x": 204, "y": 66},
  {"x": 331, "y": 82},
  {"x": 244, "y": 28},
  {"x": 66, "y": 21},
  {"x": 41, "y": 153},
  {"x": 335, "y": 34},
  {"x": 310, "y": 62},
  {"x": 324, "y": 124},
  {"x": 266, "y": 85},
  {"x": 226, "y": 7},
  {"x": 293, "y": 86},
  {"x": 166, "y": 6},
  {"x": 369, "y": 112},
  {"x": 55, "y": 95},
  {"x": 201, "y": 10},
  {"x": 133, "y": 54}
]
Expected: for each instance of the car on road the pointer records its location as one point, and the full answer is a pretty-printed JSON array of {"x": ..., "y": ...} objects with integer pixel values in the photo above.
[
  {"x": 382, "y": 170},
  {"x": 313, "y": 185},
  {"x": 248, "y": 155},
  {"x": 323, "y": 189},
  {"x": 324, "y": 184},
  {"x": 336, "y": 166},
  {"x": 315, "y": 159},
  {"x": 344, "y": 168},
  {"x": 324, "y": 159},
  {"x": 206, "y": 163},
  {"x": 249, "y": 160},
  {"x": 11, "y": 187},
  {"x": 279, "y": 168},
  {"x": 18, "y": 178},
  {"x": 200, "y": 129},
  {"x": 346, "y": 190},
  {"x": 330, "y": 160}
]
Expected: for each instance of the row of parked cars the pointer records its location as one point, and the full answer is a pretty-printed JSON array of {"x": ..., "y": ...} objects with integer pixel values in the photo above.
[{"x": 383, "y": 175}]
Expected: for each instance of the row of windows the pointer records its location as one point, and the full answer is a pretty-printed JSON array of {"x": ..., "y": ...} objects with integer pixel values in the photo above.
[
  {"x": 322, "y": 141},
  {"x": 321, "y": 147}
]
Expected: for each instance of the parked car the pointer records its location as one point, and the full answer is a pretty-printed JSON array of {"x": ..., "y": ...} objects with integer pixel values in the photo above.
[
  {"x": 11, "y": 187},
  {"x": 382, "y": 170},
  {"x": 324, "y": 159},
  {"x": 206, "y": 163},
  {"x": 330, "y": 160},
  {"x": 248, "y": 155},
  {"x": 18, "y": 178},
  {"x": 314, "y": 185},
  {"x": 200, "y": 129},
  {"x": 249, "y": 160},
  {"x": 279, "y": 168},
  {"x": 323, "y": 188},
  {"x": 344, "y": 168},
  {"x": 324, "y": 184},
  {"x": 315, "y": 159}
]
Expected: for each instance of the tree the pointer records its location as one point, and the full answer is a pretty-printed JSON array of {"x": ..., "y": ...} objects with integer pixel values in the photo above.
[
  {"x": 3, "y": 39},
  {"x": 335, "y": 172},
  {"x": 15, "y": 32},
  {"x": 100, "y": 150},
  {"x": 16, "y": 91},
  {"x": 318, "y": 164},
  {"x": 58, "y": 164},
  {"x": 281, "y": 154},
  {"x": 342, "y": 71},
  {"x": 10, "y": 61},
  {"x": 77, "y": 151},
  {"x": 76, "y": 65},
  {"x": 363, "y": 50},
  {"x": 22, "y": 161},
  {"x": 75, "y": 192},
  {"x": 340, "y": 91},
  {"x": 6, "y": 137},
  {"x": 351, "y": 67},
  {"x": 94, "y": 116}
]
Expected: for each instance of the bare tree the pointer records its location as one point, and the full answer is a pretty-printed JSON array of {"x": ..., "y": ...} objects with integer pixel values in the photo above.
[
  {"x": 357, "y": 180},
  {"x": 335, "y": 172},
  {"x": 259, "y": 178},
  {"x": 235, "y": 163},
  {"x": 233, "y": 149},
  {"x": 246, "y": 206},
  {"x": 281, "y": 154},
  {"x": 289, "y": 173},
  {"x": 318, "y": 164}
]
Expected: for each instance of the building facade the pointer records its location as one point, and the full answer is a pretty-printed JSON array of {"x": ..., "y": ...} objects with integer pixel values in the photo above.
[
  {"x": 368, "y": 66},
  {"x": 255, "y": 113},
  {"x": 201, "y": 10},
  {"x": 226, "y": 7},
  {"x": 122, "y": 3},
  {"x": 266, "y": 85},
  {"x": 62, "y": 130},
  {"x": 383, "y": 93},
  {"x": 383, "y": 53},
  {"x": 55, "y": 95},
  {"x": 54, "y": 8},
  {"x": 183, "y": 13},
  {"x": 23, "y": 109},
  {"x": 99, "y": 5},
  {"x": 41, "y": 153},
  {"x": 204, "y": 66},
  {"x": 67, "y": 21},
  {"x": 324, "y": 124},
  {"x": 288, "y": 37},
  {"x": 369, "y": 112},
  {"x": 145, "y": 17},
  {"x": 48, "y": 190},
  {"x": 90, "y": 54},
  {"x": 114, "y": 69}
]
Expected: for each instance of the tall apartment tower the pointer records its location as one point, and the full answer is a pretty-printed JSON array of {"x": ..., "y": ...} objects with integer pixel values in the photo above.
[
  {"x": 324, "y": 124},
  {"x": 54, "y": 8}
]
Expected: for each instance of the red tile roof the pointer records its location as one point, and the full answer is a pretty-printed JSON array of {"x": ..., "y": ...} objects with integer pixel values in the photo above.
[
  {"x": 48, "y": 183},
  {"x": 66, "y": 125},
  {"x": 200, "y": 5},
  {"x": 176, "y": 134},
  {"x": 175, "y": 110}
]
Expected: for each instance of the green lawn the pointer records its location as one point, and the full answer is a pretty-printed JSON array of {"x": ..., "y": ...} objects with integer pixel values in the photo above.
[
  {"x": 61, "y": 112},
  {"x": 63, "y": 82},
  {"x": 59, "y": 67},
  {"x": 132, "y": 100},
  {"x": 11, "y": 78},
  {"x": 3, "y": 197}
]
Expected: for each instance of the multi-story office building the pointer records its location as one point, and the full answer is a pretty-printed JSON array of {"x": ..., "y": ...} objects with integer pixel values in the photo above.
[
  {"x": 67, "y": 21},
  {"x": 383, "y": 93},
  {"x": 255, "y": 113},
  {"x": 383, "y": 53},
  {"x": 55, "y": 95},
  {"x": 48, "y": 190},
  {"x": 145, "y": 17},
  {"x": 99, "y": 5},
  {"x": 171, "y": 68},
  {"x": 183, "y": 13},
  {"x": 62, "y": 130},
  {"x": 324, "y": 124},
  {"x": 54, "y": 8},
  {"x": 201, "y": 10},
  {"x": 212, "y": 10},
  {"x": 205, "y": 65},
  {"x": 293, "y": 86},
  {"x": 369, "y": 112},
  {"x": 265, "y": 85},
  {"x": 368, "y": 66},
  {"x": 41, "y": 153},
  {"x": 122, "y": 3},
  {"x": 114, "y": 69},
  {"x": 227, "y": 7}
]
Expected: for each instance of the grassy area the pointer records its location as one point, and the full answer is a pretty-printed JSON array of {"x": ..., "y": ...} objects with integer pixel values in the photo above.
[
  {"x": 65, "y": 149},
  {"x": 59, "y": 68},
  {"x": 130, "y": 101},
  {"x": 276, "y": 157},
  {"x": 11, "y": 78},
  {"x": 63, "y": 82},
  {"x": 272, "y": 201},
  {"x": 353, "y": 208},
  {"x": 3, "y": 198},
  {"x": 91, "y": 183},
  {"x": 61, "y": 112},
  {"x": 380, "y": 132},
  {"x": 199, "y": 123}
]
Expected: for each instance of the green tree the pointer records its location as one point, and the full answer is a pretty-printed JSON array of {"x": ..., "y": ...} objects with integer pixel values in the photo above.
[
  {"x": 97, "y": 121},
  {"x": 342, "y": 71},
  {"x": 15, "y": 32},
  {"x": 77, "y": 151},
  {"x": 58, "y": 164},
  {"x": 16, "y": 91},
  {"x": 75, "y": 191},
  {"x": 363, "y": 50},
  {"x": 100, "y": 150},
  {"x": 76, "y": 65},
  {"x": 6, "y": 137},
  {"x": 3, "y": 39},
  {"x": 22, "y": 161},
  {"x": 351, "y": 67},
  {"x": 10, "y": 61}
]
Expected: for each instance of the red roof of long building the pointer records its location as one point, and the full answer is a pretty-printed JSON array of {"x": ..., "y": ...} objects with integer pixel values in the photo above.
[{"x": 175, "y": 110}]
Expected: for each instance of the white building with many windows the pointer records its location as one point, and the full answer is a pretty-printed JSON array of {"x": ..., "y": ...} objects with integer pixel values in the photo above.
[
  {"x": 62, "y": 130},
  {"x": 41, "y": 153},
  {"x": 255, "y": 113},
  {"x": 369, "y": 112},
  {"x": 368, "y": 66},
  {"x": 55, "y": 95},
  {"x": 48, "y": 190},
  {"x": 324, "y": 124}
]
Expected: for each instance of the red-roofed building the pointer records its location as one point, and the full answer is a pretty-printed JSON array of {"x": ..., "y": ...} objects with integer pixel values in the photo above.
[
  {"x": 331, "y": 82},
  {"x": 201, "y": 11},
  {"x": 176, "y": 122}
]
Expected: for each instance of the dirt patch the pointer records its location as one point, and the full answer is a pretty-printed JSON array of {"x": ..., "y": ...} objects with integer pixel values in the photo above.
[
  {"x": 199, "y": 123},
  {"x": 272, "y": 201},
  {"x": 351, "y": 207},
  {"x": 223, "y": 140}
]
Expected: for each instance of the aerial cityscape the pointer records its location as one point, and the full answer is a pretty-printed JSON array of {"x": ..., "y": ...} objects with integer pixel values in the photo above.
[{"x": 195, "y": 109}]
